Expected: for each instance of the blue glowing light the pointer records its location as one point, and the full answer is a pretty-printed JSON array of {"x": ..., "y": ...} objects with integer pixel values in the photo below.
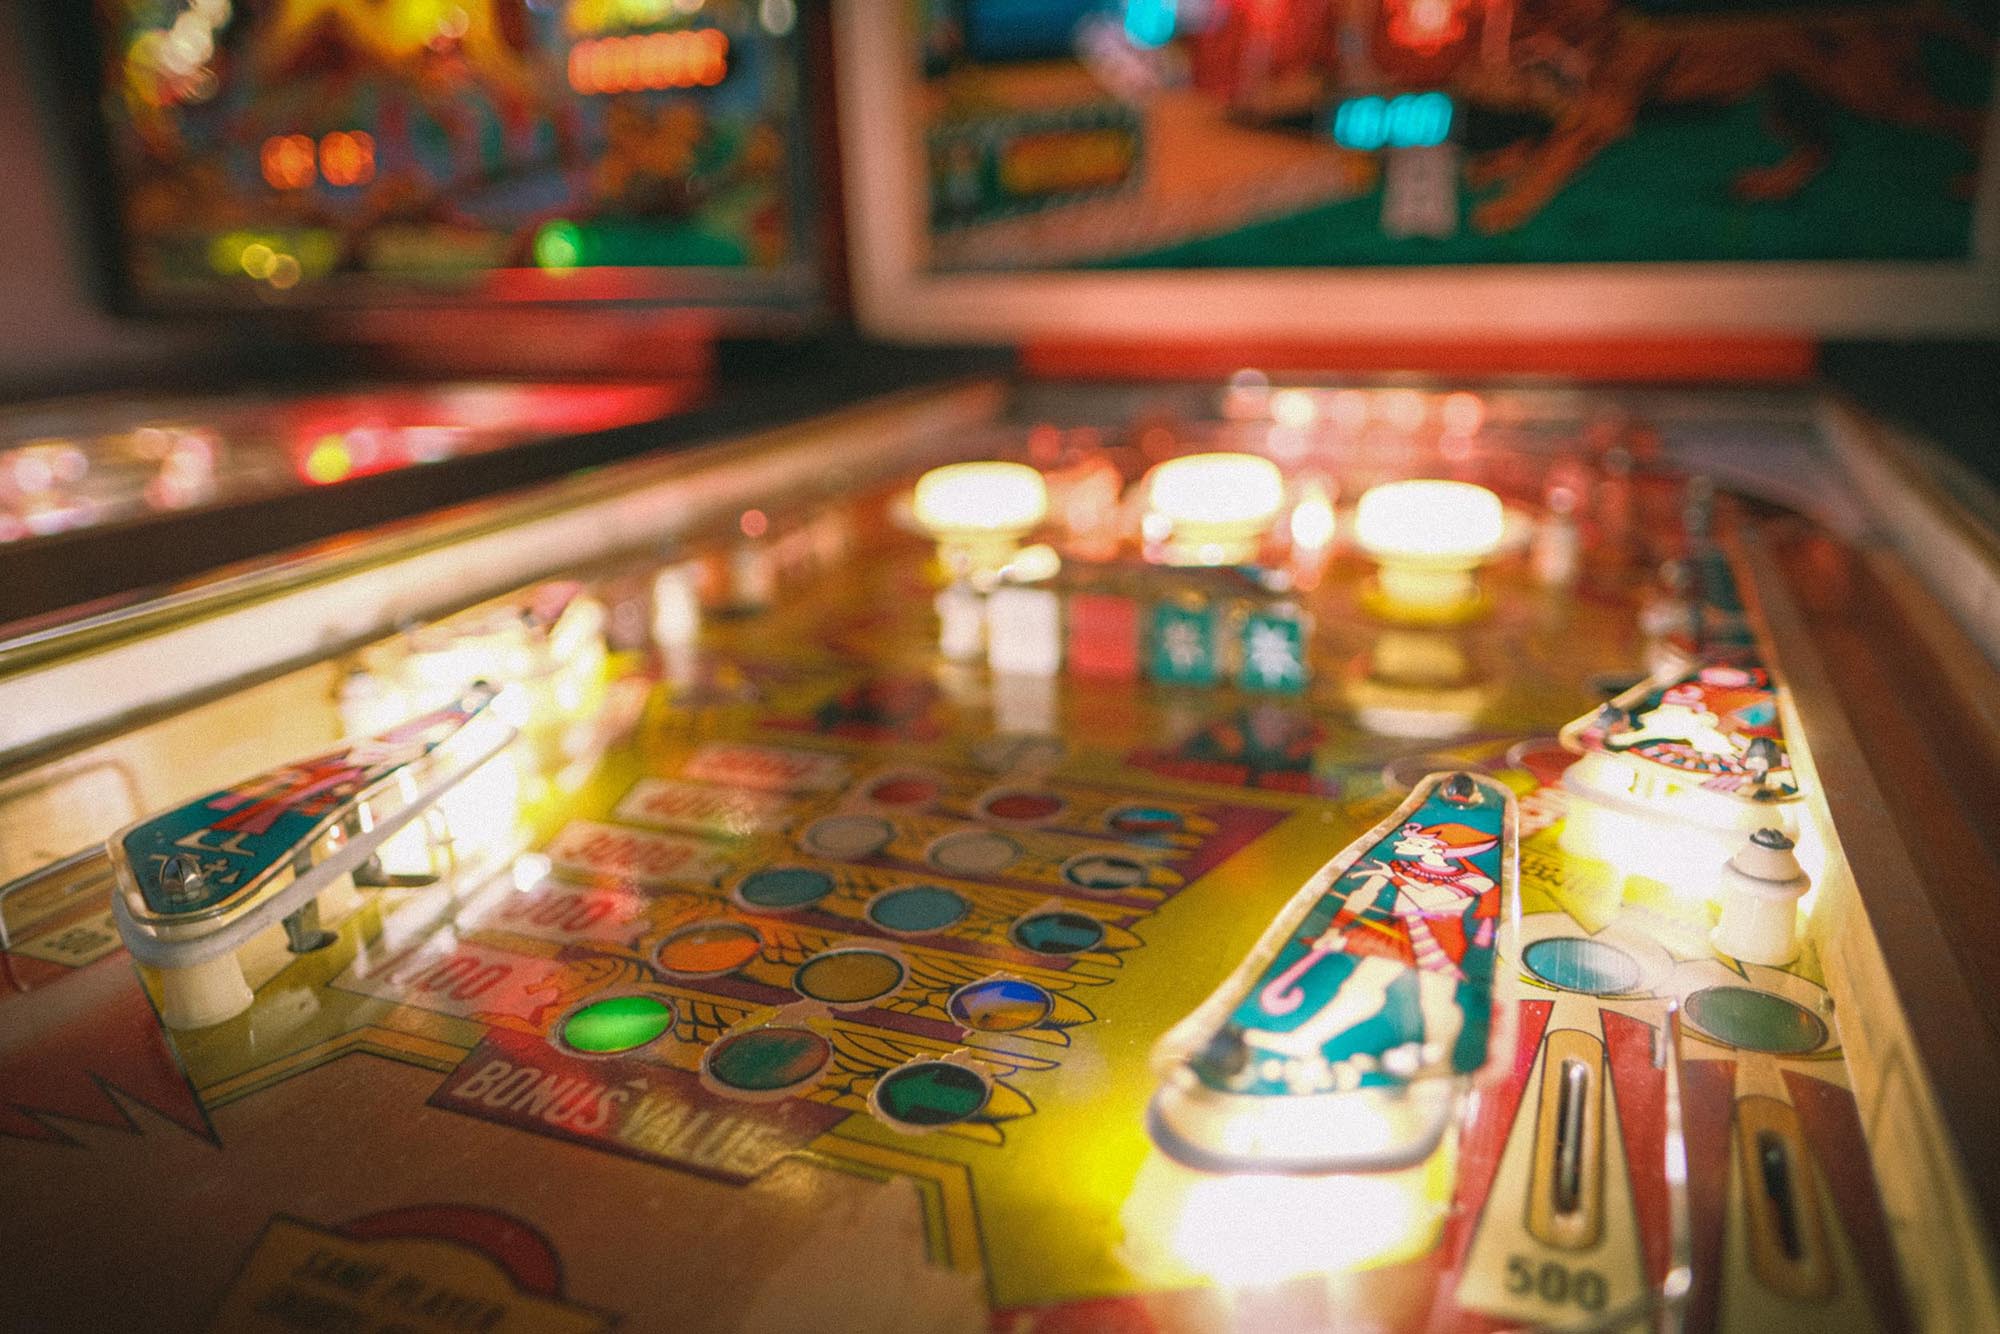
[
  {"x": 1412, "y": 120},
  {"x": 1150, "y": 23}
]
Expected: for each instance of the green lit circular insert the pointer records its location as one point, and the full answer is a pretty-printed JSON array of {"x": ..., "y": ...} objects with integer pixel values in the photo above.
[{"x": 618, "y": 1024}]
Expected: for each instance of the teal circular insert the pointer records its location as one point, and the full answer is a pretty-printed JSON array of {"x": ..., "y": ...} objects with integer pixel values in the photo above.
[
  {"x": 767, "y": 1061},
  {"x": 1589, "y": 966},
  {"x": 1104, "y": 872},
  {"x": 918, "y": 909},
  {"x": 620, "y": 1023},
  {"x": 781, "y": 888},
  {"x": 1756, "y": 1020},
  {"x": 1058, "y": 933},
  {"x": 930, "y": 1093}
]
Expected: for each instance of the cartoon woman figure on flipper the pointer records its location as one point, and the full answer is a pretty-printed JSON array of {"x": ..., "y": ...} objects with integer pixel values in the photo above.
[{"x": 1418, "y": 914}]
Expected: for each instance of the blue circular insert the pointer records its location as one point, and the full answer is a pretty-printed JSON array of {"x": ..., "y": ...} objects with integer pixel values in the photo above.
[
  {"x": 918, "y": 909},
  {"x": 1589, "y": 966},
  {"x": 1145, "y": 821},
  {"x": 778, "y": 888},
  {"x": 1000, "y": 1005}
]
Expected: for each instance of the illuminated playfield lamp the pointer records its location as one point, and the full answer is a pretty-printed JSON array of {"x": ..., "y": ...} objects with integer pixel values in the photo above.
[
  {"x": 1428, "y": 538},
  {"x": 1213, "y": 509},
  {"x": 979, "y": 512}
]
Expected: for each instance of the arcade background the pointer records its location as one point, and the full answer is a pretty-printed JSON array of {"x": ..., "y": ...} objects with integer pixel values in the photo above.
[
  {"x": 62, "y": 335},
  {"x": 494, "y": 147},
  {"x": 56, "y": 334},
  {"x": 149, "y": 227},
  {"x": 1251, "y": 133}
]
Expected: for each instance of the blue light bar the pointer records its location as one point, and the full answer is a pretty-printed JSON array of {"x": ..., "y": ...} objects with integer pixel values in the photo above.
[{"x": 1411, "y": 120}]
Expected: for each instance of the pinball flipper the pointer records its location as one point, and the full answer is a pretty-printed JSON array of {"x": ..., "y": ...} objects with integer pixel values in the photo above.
[
  {"x": 1345, "y": 1040},
  {"x": 197, "y": 882},
  {"x": 1714, "y": 727}
]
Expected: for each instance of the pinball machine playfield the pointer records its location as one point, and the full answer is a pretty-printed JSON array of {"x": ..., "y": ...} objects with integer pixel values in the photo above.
[
  {"x": 1146, "y": 844},
  {"x": 723, "y": 944}
]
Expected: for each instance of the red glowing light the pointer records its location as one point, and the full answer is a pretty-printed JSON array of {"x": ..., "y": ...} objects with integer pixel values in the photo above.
[
  {"x": 753, "y": 523},
  {"x": 338, "y": 437},
  {"x": 1044, "y": 444}
]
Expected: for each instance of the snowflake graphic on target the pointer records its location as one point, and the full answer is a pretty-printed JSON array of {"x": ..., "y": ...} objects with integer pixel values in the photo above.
[
  {"x": 1271, "y": 656},
  {"x": 1184, "y": 645}
]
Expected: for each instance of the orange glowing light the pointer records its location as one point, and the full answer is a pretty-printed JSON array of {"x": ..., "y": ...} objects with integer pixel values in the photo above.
[
  {"x": 347, "y": 157},
  {"x": 696, "y": 58},
  {"x": 659, "y": 55},
  {"x": 288, "y": 161},
  {"x": 753, "y": 523}
]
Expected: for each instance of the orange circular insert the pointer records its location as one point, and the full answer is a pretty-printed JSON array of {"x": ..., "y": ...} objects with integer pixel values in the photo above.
[{"x": 709, "y": 949}]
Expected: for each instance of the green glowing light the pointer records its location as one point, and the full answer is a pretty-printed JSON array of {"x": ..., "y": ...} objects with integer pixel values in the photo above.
[
  {"x": 618, "y": 1024},
  {"x": 559, "y": 245}
]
